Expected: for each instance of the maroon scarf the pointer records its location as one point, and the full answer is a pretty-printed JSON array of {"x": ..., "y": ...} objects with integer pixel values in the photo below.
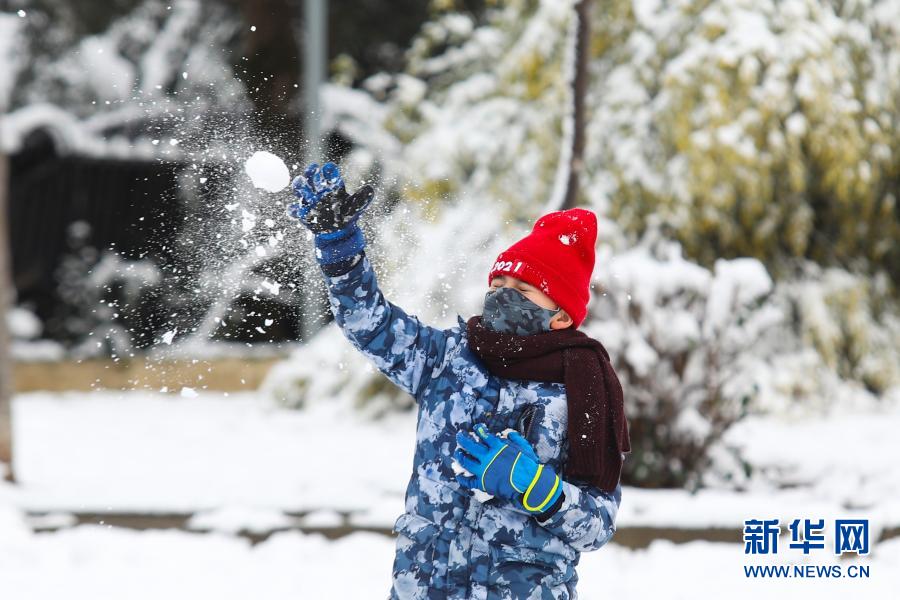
[{"x": 598, "y": 429}]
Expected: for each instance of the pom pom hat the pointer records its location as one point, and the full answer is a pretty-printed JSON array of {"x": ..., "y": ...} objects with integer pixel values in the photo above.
[{"x": 557, "y": 257}]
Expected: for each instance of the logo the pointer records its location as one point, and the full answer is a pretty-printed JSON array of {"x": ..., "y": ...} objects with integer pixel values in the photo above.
[{"x": 847, "y": 536}]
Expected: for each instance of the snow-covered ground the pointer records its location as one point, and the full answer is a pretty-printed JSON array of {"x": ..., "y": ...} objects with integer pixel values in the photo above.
[
  {"x": 238, "y": 462},
  {"x": 165, "y": 453},
  {"x": 103, "y": 563}
]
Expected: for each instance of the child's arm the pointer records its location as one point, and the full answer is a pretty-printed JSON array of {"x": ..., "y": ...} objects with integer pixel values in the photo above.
[
  {"x": 586, "y": 519},
  {"x": 398, "y": 344}
]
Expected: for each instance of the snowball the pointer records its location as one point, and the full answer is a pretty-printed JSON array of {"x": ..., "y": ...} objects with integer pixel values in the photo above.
[
  {"x": 267, "y": 171},
  {"x": 187, "y": 392},
  {"x": 169, "y": 336}
]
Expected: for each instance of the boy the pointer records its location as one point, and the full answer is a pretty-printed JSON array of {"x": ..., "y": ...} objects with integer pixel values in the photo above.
[{"x": 521, "y": 431}]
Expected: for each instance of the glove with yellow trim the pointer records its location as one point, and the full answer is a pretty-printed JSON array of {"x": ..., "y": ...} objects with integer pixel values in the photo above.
[{"x": 508, "y": 468}]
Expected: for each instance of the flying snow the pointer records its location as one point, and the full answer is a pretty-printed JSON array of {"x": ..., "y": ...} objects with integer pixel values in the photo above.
[{"x": 267, "y": 171}]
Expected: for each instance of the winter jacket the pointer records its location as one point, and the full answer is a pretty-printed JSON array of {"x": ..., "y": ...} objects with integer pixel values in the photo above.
[{"x": 450, "y": 544}]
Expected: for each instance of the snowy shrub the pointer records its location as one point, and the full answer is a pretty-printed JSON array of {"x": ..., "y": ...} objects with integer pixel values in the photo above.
[
  {"x": 329, "y": 370},
  {"x": 142, "y": 54},
  {"x": 104, "y": 297},
  {"x": 684, "y": 340},
  {"x": 729, "y": 141},
  {"x": 25, "y": 329},
  {"x": 764, "y": 129},
  {"x": 851, "y": 321},
  {"x": 478, "y": 109}
]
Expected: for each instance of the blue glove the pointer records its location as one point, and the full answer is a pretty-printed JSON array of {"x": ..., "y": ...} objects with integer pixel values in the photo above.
[
  {"x": 508, "y": 468},
  {"x": 327, "y": 210}
]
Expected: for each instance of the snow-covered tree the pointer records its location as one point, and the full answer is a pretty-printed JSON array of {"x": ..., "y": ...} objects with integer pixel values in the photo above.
[
  {"x": 471, "y": 129},
  {"x": 686, "y": 343},
  {"x": 744, "y": 130},
  {"x": 755, "y": 128}
]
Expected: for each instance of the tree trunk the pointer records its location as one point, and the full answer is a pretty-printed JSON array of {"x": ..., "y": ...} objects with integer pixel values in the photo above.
[
  {"x": 5, "y": 302},
  {"x": 579, "y": 92}
]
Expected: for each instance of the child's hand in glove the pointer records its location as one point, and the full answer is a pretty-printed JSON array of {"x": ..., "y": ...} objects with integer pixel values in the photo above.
[
  {"x": 508, "y": 468},
  {"x": 327, "y": 210}
]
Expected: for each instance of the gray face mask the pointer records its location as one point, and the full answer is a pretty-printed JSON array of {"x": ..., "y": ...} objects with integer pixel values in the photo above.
[{"x": 507, "y": 310}]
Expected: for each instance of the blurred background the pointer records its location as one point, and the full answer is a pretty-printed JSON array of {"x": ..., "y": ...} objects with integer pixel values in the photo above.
[{"x": 169, "y": 376}]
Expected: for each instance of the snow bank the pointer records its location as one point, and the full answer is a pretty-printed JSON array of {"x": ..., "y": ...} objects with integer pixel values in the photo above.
[{"x": 235, "y": 519}]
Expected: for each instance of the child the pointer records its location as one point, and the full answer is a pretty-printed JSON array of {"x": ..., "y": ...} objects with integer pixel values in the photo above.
[{"x": 521, "y": 430}]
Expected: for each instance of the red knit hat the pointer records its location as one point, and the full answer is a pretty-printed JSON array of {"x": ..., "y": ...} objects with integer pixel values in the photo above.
[{"x": 557, "y": 257}]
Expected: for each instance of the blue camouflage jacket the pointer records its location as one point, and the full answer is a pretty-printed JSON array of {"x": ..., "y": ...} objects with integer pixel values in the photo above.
[{"x": 449, "y": 544}]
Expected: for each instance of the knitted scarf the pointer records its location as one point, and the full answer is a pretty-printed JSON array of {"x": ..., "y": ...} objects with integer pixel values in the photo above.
[{"x": 597, "y": 429}]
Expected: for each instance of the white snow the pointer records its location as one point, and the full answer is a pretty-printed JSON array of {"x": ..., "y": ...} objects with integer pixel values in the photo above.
[
  {"x": 37, "y": 350},
  {"x": 52, "y": 520},
  {"x": 69, "y": 134},
  {"x": 145, "y": 451},
  {"x": 273, "y": 287},
  {"x": 101, "y": 562},
  {"x": 234, "y": 519},
  {"x": 248, "y": 220},
  {"x": 158, "y": 62},
  {"x": 23, "y": 323},
  {"x": 267, "y": 171},
  {"x": 107, "y": 70},
  {"x": 104, "y": 563},
  {"x": 322, "y": 518},
  {"x": 242, "y": 464}
]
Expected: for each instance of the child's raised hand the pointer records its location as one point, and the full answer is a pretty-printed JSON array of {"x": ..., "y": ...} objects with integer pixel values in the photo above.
[{"x": 325, "y": 207}]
